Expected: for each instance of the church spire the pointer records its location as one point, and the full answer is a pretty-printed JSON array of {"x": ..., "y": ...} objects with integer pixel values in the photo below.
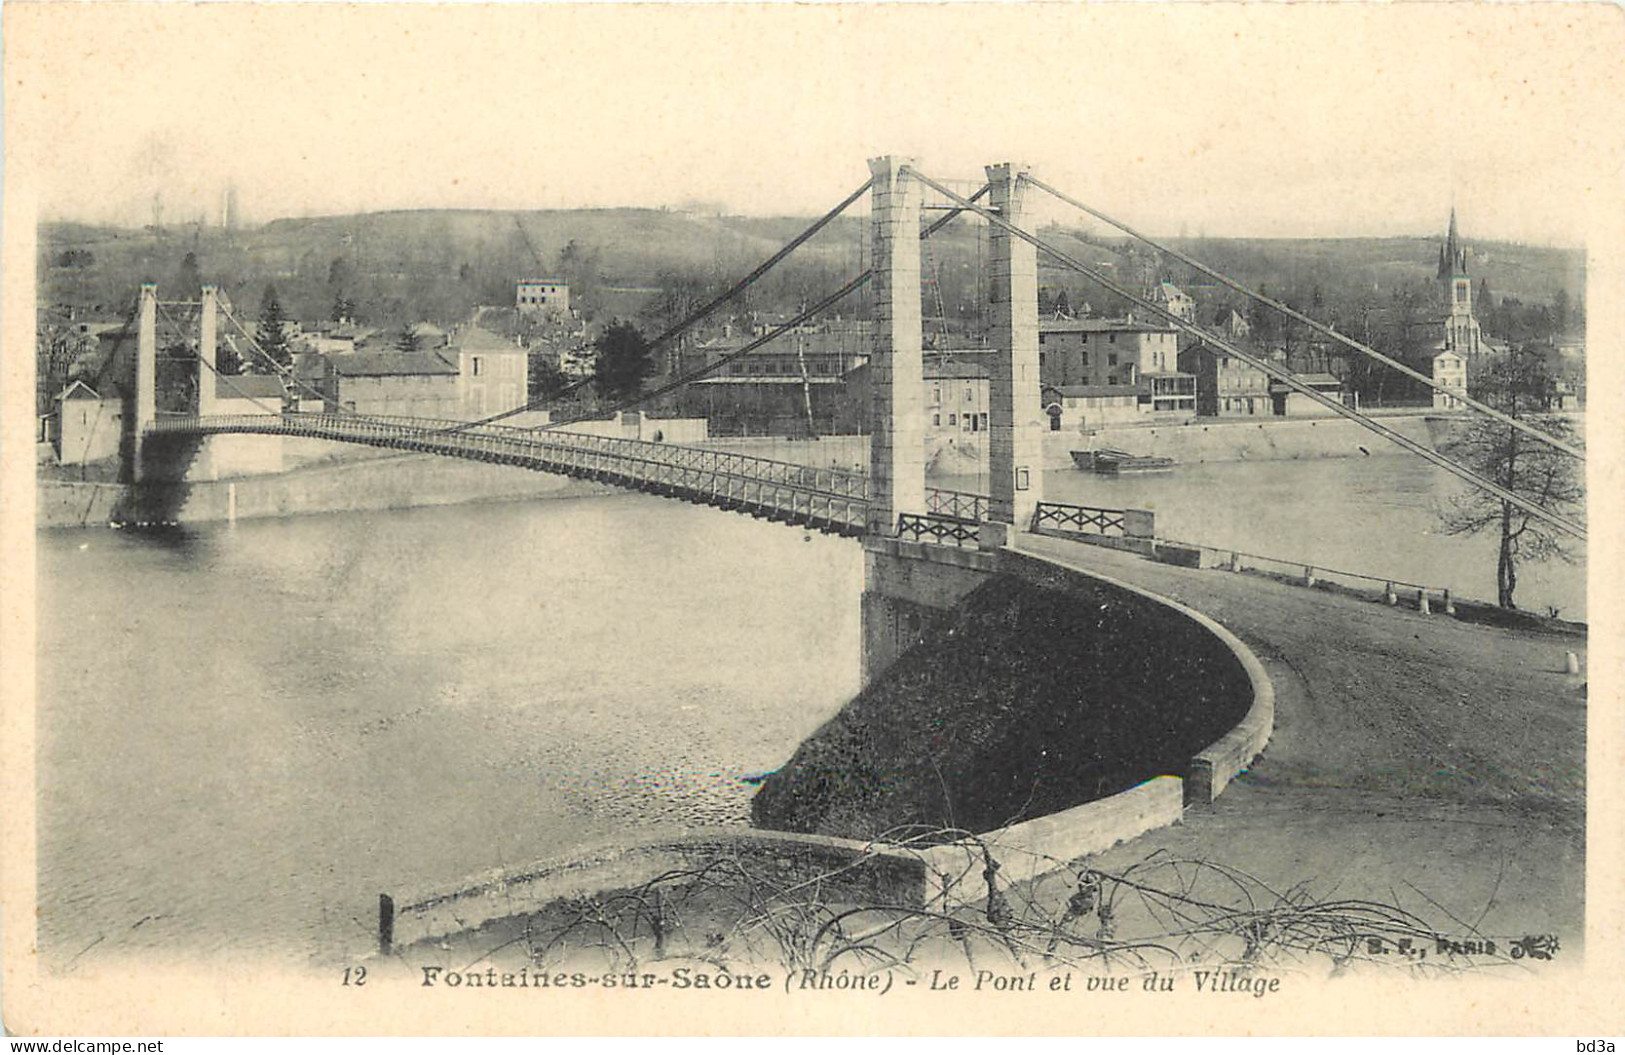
[{"x": 1452, "y": 256}]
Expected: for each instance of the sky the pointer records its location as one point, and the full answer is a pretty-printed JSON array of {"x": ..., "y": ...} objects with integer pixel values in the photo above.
[{"x": 1261, "y": 120}]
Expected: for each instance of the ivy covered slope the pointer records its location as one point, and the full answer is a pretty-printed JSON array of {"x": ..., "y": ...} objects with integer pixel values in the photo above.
[{"x": 1037, "y": 697}]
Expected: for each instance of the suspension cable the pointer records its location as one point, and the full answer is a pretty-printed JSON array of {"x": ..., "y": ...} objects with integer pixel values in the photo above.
[
  {"x": 1318, "y": 327},
  {"x": 1283, "y": 375}
]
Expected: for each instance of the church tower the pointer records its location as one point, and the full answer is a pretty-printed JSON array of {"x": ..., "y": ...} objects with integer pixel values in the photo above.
[
  {"x": 1460, "y": 327},
  {"x": 1458, "y": 287}
]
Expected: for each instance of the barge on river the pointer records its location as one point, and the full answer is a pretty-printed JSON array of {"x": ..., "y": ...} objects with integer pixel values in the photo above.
[{"x": 1116, "y": 462}]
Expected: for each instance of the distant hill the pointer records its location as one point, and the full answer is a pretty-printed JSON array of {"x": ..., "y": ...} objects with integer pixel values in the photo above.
[{"x": 438, "y": 264}]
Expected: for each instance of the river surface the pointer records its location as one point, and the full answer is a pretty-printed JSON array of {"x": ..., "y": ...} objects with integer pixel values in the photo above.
[
  {"x": 1374, "y": 516},
  {"x": 247, "y": 733}
]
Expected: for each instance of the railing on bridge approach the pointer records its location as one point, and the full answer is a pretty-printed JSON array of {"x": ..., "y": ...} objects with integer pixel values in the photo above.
[
  {"x": 832, "y": 500},
  {"x": 1087, "y": 519},
  {"x": 956, "y": 505},
  {"x": 947, "y": 531}
]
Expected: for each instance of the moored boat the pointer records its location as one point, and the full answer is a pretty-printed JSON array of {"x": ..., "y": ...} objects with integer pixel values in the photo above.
[{"x": 1114, "y": 461}]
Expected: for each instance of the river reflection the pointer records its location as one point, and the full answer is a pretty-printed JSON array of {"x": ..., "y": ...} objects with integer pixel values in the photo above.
[{"x": 247, "y": 733}]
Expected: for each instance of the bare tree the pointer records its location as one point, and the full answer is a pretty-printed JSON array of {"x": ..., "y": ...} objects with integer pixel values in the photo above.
[{"x": 1520, "y": 385}]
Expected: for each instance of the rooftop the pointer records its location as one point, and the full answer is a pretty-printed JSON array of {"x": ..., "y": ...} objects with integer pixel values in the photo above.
[
  {"x": 392, "y": 364},
  {"x": 1089, "y": 391},
  {"x": 1099, "y": 326},
  {"x": 247, "y": 386}
]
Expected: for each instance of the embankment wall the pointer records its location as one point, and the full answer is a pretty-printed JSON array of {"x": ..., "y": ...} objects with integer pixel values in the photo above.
[
  {"x": 397, "y": 482},
  {"x": 1203, "y": 440}
]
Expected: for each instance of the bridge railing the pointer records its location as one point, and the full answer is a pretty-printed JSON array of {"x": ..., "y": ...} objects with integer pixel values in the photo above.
[
  {"x": 947, "y": 531},
  {"x": 1088, "y": 519},
  {"x": 956, "y": 505}
]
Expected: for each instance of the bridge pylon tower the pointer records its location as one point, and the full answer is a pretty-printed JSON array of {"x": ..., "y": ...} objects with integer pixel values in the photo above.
[
  {"x": 146, "y": 373},
  {"x": 1015, "y": 411},
  {"x": 896, "y": 370},
  {"x": 208, "y": 324}
]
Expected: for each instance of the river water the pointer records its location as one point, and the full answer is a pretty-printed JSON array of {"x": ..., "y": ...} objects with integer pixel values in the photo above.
[
  {"x": 247, "y": 733},
  {"x": 1376, "y": 516}
]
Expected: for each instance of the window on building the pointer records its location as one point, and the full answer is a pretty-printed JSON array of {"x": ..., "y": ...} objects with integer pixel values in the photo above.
[
  {"x": 478, "y": 365},
  {"x": 1085, "y": 339},
  {"x": 968, "y": 396},
  {"x": 1111, "y": 360},
  {"x": 953, "y": 419},
  {"x": 936, "y": 394},
  {"x": 936, "y": 419},
  {"x": 1111, "y": 338}
]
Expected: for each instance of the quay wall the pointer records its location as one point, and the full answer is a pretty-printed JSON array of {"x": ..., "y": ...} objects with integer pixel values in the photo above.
[
  {"x": 1200, "y": 440},
  {"x": 1233, "y": 440},
  {"x": 399, "y": 481}
]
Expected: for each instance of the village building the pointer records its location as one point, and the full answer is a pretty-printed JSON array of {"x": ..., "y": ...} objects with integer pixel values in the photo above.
[
  {"x": 493, "y": 374},
  {"x": 956, "y": 396},
  {"x": 1101, "y": 354},
  {"x": 1076, "y": 407},
  {"x": 797, "y": 383},
  {"x": 88, "y": 426},
  {"x": 1286, "y": 401},
  {"x": 1226, "y": 385},
  {"x": 1173, "y": 300},
  {"x": 1449, "y": 371},
  {"x": 537, "y": 296},
  {"x": 1230, "y": 324},
  {"x": 389, "y": 384}
]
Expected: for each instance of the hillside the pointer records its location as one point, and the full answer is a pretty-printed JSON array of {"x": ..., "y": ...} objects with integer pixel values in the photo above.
[{"x": 437, "y": 264}]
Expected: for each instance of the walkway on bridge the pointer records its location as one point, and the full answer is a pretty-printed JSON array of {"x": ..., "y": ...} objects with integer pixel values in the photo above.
[{"x": 1408, "y": 749}]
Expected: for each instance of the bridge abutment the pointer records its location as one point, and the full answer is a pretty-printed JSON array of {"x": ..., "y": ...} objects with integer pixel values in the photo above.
[{"x": 909, "y": 590}]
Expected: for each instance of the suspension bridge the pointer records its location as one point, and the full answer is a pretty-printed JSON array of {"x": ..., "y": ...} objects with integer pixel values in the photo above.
[{"x": 891, "y": 497}]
